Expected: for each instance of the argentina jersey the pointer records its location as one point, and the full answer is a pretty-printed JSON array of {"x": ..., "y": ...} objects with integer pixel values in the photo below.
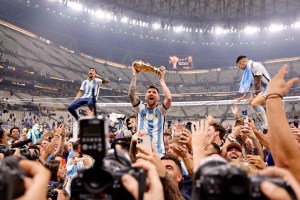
[
  {"x": 88, "y": 86},
  {"x": 259, "y": 70},
  {"x": 152, "y": 121}
]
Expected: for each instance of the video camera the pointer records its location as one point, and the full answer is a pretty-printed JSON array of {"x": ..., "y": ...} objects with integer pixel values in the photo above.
[
  {"x": 32, "y": 154},
  {"x": 216, "y": 179},
  {"x": 103, "y": 180}
]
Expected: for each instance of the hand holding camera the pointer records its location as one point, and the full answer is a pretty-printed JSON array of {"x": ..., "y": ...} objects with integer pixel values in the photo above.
[
  {"x": 155, "y": 188},
  {"x": 273, "y": 191}
]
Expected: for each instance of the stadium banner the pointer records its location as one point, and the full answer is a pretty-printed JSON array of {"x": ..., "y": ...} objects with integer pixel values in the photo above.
[{"x": 177, "y": 63}]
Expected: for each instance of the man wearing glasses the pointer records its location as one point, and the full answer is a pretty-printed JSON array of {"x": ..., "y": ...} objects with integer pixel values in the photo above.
[{"x": 254, "y": 83}]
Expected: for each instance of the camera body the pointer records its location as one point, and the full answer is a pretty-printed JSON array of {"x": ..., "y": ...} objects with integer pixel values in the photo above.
[
  {"x": 103, "y": 179},
  {"x": 52, "y": 194},
  {"x": 216, "y": 180},
  {"x": 98, "y": 183}
]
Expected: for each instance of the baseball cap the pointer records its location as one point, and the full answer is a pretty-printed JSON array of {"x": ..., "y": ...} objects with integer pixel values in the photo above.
[{"x": 234, "y": 145}]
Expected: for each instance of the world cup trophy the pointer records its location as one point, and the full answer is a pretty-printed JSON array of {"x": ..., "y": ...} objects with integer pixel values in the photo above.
[{"x": 142, "y": 66}]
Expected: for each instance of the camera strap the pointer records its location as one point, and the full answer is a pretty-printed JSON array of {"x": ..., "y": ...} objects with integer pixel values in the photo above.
[{"x": 142, "y": 185}]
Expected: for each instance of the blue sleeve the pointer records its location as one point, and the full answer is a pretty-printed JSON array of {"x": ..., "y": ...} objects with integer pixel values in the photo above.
[
  {"x": 49, "y": 157},
  {"x": 270, "y": 160}
]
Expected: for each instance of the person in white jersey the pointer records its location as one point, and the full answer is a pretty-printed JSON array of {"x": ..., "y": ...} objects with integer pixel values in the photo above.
[
  {"x": 151, "y": 116},
  {"x": 85, "y": 94},
  {"x": 255, "y": 80}
]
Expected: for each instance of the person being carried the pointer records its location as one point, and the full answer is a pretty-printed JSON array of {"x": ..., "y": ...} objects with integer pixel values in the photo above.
[
  {"x": 255, "y": 75},
  {"x": 151, "y": 115},
  {"x": 88, "y": 87}
]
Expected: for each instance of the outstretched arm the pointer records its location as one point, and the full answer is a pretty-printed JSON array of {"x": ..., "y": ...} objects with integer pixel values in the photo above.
[
  {"x": 282, "y": 142},
  {"x": 166, "y": 91},
  {"x": 134, "y": 99}
]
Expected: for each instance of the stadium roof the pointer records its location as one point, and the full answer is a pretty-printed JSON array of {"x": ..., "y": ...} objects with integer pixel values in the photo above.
[{"x": 199, "y": 11}]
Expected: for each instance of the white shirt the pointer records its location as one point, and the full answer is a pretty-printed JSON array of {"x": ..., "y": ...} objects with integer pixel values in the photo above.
[
  {"x": 259, "y": 70},
  {"x": 88, "y": 86}
]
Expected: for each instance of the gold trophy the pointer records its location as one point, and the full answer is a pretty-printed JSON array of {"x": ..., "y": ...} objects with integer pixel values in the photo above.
[{"x": 142, "y": 66}]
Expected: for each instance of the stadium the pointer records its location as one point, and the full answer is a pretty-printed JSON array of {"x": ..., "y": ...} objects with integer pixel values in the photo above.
[{"x": 193, "y": 96}]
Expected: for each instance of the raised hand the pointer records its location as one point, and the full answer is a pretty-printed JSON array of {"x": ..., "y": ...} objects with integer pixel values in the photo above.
[
  {"x": 278, "y": 85},
  {"x": 235, "y": 109},
  {"x": 162, "y": 72}
]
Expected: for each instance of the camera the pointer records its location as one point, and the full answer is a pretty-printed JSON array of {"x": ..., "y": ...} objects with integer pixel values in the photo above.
[
  {"x": 216, "y": 179},
  {"x": 103, "y": 179},
  {"x": 52, "y": 194},
  {"x": 11, "y": 179}
]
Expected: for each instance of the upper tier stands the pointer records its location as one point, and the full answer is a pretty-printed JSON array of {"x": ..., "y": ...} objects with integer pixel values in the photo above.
[{"x": 49, "y": 60}]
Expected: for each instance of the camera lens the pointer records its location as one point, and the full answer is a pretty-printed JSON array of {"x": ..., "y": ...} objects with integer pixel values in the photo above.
[
  {"x": 97, "y": 180},
  {"x": 237, "y": 184}
]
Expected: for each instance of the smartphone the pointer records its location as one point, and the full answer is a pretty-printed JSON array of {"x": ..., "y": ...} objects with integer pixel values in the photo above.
[
  {"x": 254, "y": 151},
  {"x": 93, "y": 136},
  {"x": 246, "y": 120},
  {"x": 178, "y": 130},
  {"x": 188, "y": 126},
  {"x": 145, "y": 141}
]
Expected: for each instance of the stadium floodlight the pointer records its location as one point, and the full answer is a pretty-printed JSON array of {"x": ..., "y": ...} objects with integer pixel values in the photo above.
[
  {"x": 276, "y": 27},
  {"x": 100, "y": 14},
  {"x": 124, "y": 20},
  {"x": 251, "y": 29},
  {"x": 296, "y": 24},
  {"x": 75, "y": 5},
  {"x": 109, "y": 16},
  {"x": 156, "y": 26},
  {"x": 178, "y": 29},
  {"x": 219, "y": 31}
]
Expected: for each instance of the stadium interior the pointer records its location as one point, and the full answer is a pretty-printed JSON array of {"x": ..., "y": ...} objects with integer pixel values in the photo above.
[{"x": 47, "y": 47}]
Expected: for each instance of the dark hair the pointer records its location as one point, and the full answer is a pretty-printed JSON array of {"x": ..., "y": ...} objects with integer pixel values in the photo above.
[
  {"x": 1, "y": 133},
  {"x": 171, "y": 157},
  {"x": 216, "y": 147},
  {"x": 76, "y": 144},
  {"x": 167, "y": 134},
  {"x": 123, "y": 142},
  {"x": 15, "y": 127},
  {"x": 53, "y": 166},
  {"x": 93, "y": 69},
  {"x": 153, "y": 87},
  {"x": 240, "y": 58},
  {"x": 220, "y": 128}
]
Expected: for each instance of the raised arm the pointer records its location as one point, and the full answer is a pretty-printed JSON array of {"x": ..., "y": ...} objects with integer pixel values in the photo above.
[
  {"x": 284, "y": 149},
  {"x": 61, "y": 143},
  {"x": 134, "y": 99},
  {"x": 105, "y": 80},
  {"x": 166, "y": 91}
]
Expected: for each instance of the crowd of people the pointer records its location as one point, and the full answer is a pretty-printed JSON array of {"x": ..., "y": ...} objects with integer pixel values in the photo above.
[{"x": 186, "y": 160}]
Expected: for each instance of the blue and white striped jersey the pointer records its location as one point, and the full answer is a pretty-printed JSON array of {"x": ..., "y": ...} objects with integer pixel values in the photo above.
[
  {"x": 153, "y": 122},
  {"x": 88, "y": 86}
]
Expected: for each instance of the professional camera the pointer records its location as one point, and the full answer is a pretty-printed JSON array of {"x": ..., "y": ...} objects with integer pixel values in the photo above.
[
  {"x": 103, "y": 180},
  {"x": 29, "y": 153},
  {"x": 11, "y": 179},
  {"x": 216, "y": 179}
]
